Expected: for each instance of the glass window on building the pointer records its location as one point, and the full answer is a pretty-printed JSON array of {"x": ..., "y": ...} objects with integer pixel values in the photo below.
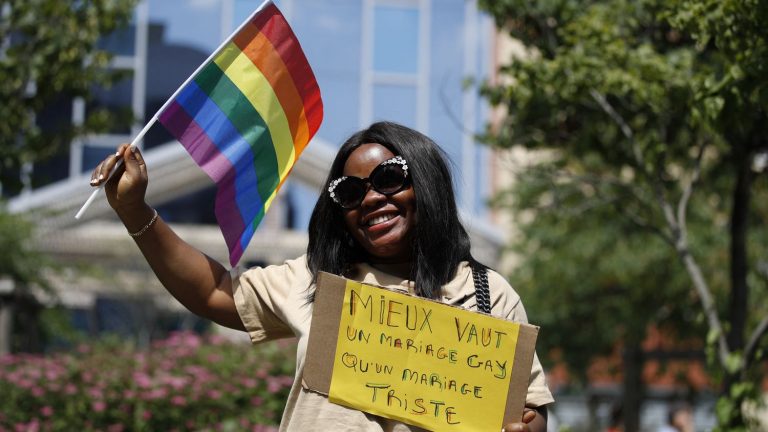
[
  {"x": 330, "y": 34},
  {"x": 189, "y": 23},
  {"x": 394, "y": 69},
  {"x": 54, "y": 117},
  {"x": 116, "y": 99},
  {"x": 121, "y": 42},
  {"x": 94, "y": 154},
  {"x": 396, "y": 39},
  {"x": 181, "y": 35},
  {"x": 396, "y": 103}
]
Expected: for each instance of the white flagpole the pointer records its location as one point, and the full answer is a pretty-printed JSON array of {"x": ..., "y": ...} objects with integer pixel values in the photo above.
[{"x": 167, "y": 102}]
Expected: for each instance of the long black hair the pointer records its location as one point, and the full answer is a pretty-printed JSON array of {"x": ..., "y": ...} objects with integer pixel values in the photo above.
[{"x": 440, "y": 242}]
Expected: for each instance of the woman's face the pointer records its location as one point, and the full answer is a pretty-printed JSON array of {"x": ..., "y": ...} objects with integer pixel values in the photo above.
[{"x": 383, "y": 225}]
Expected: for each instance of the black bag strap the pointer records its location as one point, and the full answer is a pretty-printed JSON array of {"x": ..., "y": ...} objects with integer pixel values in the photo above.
[{"x": 482, "y": 292}]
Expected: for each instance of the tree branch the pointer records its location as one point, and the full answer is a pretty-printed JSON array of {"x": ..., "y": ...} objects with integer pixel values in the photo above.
[
  {"x": 626, "y": 130},
  {"x": 680, "y": 236},
  {"x": 707, "y": 303},
  {"x": 669, "y": 215},
  {"x": 679, "y": 232},
  {"x": 754, "y": 340},
  {"x": 606, "y": 106},
  {"x": 680, "y": 241},
  {"x": 676, "y": 224}
]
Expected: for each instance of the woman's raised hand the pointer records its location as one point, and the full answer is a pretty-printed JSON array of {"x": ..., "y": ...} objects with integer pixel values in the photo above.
[
  {"x": 200, "y": 283},
  {"x": 128, "y": 185}
]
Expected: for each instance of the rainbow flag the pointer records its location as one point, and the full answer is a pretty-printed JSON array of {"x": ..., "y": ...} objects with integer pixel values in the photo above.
[{"x": 245, "y": 118}]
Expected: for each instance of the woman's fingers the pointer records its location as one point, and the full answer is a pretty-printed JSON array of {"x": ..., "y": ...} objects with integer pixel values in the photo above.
[
  {"x": 106, "y": 167},
  {"x": 102, "y": 171},
  {"x": 135, "y": 163},
  {"x": 528, "y": 415},
  {"x": 95, "y": 174},
  {"x": 516, "y": 427},
  {"x": 142, "y": 165},
  {"x": 123, "y": 175}
]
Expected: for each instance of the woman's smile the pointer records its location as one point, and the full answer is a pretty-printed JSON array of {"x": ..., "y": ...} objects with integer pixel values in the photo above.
[{"x": 380, "y": 219}]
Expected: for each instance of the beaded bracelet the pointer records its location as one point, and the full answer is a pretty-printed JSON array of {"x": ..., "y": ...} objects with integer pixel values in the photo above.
[{"x": 146, "y": 227}]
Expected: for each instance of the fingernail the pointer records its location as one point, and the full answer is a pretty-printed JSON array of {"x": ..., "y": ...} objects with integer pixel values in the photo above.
[
  {"x": 101, "y": 176},
  {"x": 117, "y": 153}
]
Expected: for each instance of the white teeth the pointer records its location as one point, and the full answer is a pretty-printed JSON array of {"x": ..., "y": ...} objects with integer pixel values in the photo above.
[{"x": 380, "y": 219}]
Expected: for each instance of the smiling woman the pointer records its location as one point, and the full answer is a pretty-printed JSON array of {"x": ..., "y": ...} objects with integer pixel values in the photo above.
[
  {"x": 381, "y": 223},
  {"x": 387, "y": 217},
  {"x": 417, "y": 234}
]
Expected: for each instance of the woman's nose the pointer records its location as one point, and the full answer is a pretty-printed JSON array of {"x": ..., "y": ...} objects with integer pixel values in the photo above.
[{"x": 372, "y": 198}]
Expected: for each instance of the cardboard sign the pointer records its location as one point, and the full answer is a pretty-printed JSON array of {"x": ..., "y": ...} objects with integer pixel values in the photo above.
[{"x": 424, "y": 363}]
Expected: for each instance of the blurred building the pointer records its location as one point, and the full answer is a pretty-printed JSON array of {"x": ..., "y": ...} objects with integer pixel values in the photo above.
[{"x": 399, "y": 60}]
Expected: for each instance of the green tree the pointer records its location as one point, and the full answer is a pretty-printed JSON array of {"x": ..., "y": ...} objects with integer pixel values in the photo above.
[
  {"x": 592, "y": 281},
  {"x": 49, "y": 55},
  {"x": 19, "y": 267},
  {"x": 651, "y": 118}
]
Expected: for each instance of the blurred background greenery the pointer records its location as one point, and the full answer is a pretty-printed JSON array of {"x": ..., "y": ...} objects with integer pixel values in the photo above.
[{"x": 645, "y": 208}]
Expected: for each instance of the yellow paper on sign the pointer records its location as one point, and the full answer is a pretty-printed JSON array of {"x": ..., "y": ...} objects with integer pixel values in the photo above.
[{"x": 427, "y": 364}]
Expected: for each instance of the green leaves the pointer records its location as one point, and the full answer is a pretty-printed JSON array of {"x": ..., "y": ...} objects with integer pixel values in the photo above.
[
  {"x": 734, "y": 363},
  {"x": 647, "y": 112},
  {"x": 50, "y": 54},
  {"x": 730, "y": 36},
  {"x": 18, "y": 260}
]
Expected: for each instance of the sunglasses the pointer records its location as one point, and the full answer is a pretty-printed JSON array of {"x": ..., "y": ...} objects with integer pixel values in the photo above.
[{"x": 389, "y": 178}]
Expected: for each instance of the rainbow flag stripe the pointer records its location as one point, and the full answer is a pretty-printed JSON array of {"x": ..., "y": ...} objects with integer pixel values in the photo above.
[{"x": 245, "y": 118}]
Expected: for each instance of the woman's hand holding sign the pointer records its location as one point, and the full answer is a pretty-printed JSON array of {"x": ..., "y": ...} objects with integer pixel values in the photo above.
[{"x": 534, "y": 420}]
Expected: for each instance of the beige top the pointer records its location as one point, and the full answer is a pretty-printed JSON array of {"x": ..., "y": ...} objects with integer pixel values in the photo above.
[{"x": 273, "y": 304}]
